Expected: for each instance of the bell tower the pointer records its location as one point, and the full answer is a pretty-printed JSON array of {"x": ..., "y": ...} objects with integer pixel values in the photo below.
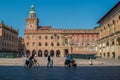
[{"x": 32, "y": 21}]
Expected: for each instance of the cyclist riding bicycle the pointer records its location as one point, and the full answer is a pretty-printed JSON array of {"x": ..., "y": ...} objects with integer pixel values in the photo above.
[
  {"x": 69, "y": 58},
  {"x": 31, "y": 60}
]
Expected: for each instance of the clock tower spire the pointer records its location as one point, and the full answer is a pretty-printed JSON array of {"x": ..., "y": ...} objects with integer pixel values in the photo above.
[{"x": 32, "y": 12}]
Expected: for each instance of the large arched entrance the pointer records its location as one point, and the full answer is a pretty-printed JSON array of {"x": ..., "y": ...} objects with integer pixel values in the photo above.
[
  {"x": 27, "y": 53},
  {"x": 52, "y": 53},
  {"x": 58, "y": 53},
  {"x": 118, "y": 41},
  {"x": 118, "y": 47},
  {"x": 65, "y": 52},
  {"x": 40, "y": 53},
  {"x": 33, "y": 52},
  {"x": 45, "y": 53}
]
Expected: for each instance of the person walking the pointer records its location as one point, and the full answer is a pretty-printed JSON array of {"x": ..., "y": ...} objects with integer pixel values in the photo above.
[
  {"x": 49, "y": 59},
  {"x": 90, "y": 62},
  {"x": 51, "y": 62}
]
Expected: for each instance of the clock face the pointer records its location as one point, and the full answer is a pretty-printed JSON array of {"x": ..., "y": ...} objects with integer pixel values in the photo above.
[{"x": 31, "y": 26}]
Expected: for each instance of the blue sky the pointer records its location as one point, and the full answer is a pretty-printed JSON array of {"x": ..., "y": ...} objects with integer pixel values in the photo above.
[{"x": 67, "y": 14}]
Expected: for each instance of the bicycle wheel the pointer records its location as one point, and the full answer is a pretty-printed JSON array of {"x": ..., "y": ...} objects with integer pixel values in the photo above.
[
  {"x": 36, "y": 65},
  {"x": 26, "y": 66}
]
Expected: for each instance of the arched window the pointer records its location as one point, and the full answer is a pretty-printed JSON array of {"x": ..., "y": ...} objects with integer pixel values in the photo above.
[
  {"x": 39, "y": 37},
  {"x": 87, "y": 42},
  {"x": 46, "y": 44},
  {"x": 52, "y": 44},
  {"x": 39, "y": 43},
  {"x": 40, "y": 53},
  {"x": 51, "y": 37},
  {"x": 33, "y": 44},
  {"x": 82, "y": 42},
  {"x": 45, "y": 53},
  {"x": 52, "y": 53},
  {"x": 27, "y": 43},
  {"x": 46, "y": 37},
  {"x": 78, "y": 43},
  {"x": 58, "y": 44},
  {"x": 58, "y": 53},
  {"x": 27, "y": 53},
  {"x": 33, "y": 52},
  {"x": 58, "y": 37},
  {"x": 119, "y": 17},
  {"x": 114, "y": 24},
  {"x": 66, "y": 41}
]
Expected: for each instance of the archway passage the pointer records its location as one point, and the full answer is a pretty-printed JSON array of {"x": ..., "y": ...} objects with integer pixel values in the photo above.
[
  {"x": 45, "y": 53},
  {"x": 27, "y": 53},
  {"x": 66, "y": 52},
  {"x": 33, "y": 52},
  {"x": 52, "y": 53},
  {"x": 113, "y": 53},
  {"x": 58, "y": 53},
  {"x": 108, "y": 54},
  {"x": 39, "y": 53},
  {"x": 118, "y": 41},
  {"x": 118, "y": 47}
]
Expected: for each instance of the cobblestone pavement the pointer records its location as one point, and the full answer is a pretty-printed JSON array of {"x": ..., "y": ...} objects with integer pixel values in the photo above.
[{"x": 60, "y": 61}]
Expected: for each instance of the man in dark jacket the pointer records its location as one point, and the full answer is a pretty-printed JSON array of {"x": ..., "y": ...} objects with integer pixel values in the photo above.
[{"x": 49, "y": 59}]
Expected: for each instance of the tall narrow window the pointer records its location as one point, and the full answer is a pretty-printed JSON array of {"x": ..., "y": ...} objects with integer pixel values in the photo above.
[
  {"x": 39, "y": 37},
  {"x": 39, "y": 43},
  {"x": 46, "y": 37},
  {"x": 27, "y": 43},
  {"x": 46, "y": 44},
  {"x": 51, "y": 37},
  {"x": 52, "y": 44},
  {"x": 33, "y": 44},
  {"x": 58, "y": 37},
  {"x": 82, "y": 42},
  {"x": 58, "y": 44}
]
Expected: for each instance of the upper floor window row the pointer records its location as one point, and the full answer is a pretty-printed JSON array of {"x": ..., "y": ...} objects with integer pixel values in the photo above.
[{"x": 41, "y": 37}]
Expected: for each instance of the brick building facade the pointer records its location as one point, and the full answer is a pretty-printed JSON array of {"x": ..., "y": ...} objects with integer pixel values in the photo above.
[{"x": 45, "y": 40}]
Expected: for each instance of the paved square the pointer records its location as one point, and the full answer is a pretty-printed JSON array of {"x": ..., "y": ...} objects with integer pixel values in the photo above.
[{"x": 60, "y": 73}]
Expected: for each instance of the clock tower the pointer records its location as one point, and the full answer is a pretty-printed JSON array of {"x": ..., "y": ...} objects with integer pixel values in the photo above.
[{"x": 32, "y": 21}]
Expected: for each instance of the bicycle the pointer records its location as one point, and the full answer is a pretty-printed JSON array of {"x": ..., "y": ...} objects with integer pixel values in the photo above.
[
  {"x": 31, "y": 63},
  {"x": 68, "y": 64}
]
